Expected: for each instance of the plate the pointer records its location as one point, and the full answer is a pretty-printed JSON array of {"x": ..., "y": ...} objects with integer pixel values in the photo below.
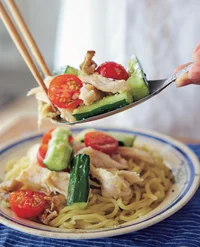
[{"x": 177, "y": 156}]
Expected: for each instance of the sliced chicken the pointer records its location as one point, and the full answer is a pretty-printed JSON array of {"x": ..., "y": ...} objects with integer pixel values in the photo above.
[
  {"x": 135, "y": 153},
  {"x": 111, "y": 185},
  {"x": 102, "y": 160},
  {"x": 67, "y": 114},
  {"x": 11, "y": 185},
  {"x": 117, "y": 157},
  {"x": 77, "y": 146},
  {"x": 88, "y": 66},
  {"x": 39, "y": 92},
  {"x": 45, "y": 110},
  {"x": 130, "y": 177},
  {"x": 105, "y": 84},
  {"x": 55, "y": 202},
  {"x": 47, "y": 216},
  {"x": 44, "y": 179},
  {"x": 115, "y": 183},
  {"x": 90, "y": 94}
]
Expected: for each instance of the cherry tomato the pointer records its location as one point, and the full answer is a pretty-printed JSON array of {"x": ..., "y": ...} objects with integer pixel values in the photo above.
[
  {"x": 27, "y": 203},
  {"x": 64, "y": 91},
  {"x": 71, "y": 139},
  {"x": 41, "y": 154},
  {"x": 113, "y": 70},
  {"x": 47, "y": 136},
  {"x": 101, "y": 142}
]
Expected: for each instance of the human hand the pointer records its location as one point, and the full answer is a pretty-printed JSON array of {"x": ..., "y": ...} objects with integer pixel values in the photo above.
[{"x": 193, "y": 76}]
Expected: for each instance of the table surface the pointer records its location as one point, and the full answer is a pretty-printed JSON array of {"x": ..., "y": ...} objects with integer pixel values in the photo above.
[{"x": 19, "y": 118}]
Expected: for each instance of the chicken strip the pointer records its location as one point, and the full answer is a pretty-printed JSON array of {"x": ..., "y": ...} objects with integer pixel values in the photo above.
[
  {"x": 130, "y": 177},
  {"x": 11, "y": 185},
  {"x": 117, "y": 157},
  {"x": 42, "y": 178},
  {"x": 135, "y": 153},
  {"x": 77, "y": 146},
  {"x": 104, "y": 84},
  {"x": 115, "y": 183},
  {"x": 88, "y": 66},
  {"x": 102, "y": 160},
  {"x": 90, "y": 94}
]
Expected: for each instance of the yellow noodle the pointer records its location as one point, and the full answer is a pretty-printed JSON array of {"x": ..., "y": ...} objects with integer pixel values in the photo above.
[
  {"x": 114, "y": 212},
  {"x": 16, "y": 168},
  {"x": 67, "y": 225},
  {"x": 97, "y": 217},
  {"x": 102, "y": 212}
]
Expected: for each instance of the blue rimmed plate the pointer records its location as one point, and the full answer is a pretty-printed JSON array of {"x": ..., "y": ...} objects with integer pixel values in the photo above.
[{"x": 178, "y": 157}]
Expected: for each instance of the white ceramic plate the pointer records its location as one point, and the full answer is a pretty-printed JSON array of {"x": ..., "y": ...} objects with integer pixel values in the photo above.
[{"x": 178, "y": 157}]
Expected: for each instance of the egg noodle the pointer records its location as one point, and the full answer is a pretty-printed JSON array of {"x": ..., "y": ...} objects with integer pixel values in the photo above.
[{"x": 102, "y": 212}]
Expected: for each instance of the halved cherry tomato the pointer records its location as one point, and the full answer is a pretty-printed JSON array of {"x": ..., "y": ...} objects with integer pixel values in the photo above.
[
  {"x": 41, "y": 154},
  {"x": 71, "y": 139},
  {"x": 101, "y": 142},
  {"x": 27, "y": 203},
  {"x": 113, "y": 70},
  {"x": 64, "y": 91},
  {"x": 47, "y": 136}
]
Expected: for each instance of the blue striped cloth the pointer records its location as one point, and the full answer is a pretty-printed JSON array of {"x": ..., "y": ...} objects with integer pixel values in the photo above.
[{"x": 180, "y": 230}]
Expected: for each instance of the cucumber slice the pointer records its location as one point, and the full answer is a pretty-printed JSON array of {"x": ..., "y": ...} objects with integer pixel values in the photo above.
[
  {"x": 106, "y": 104},
  {"x": 66, "y": 70},
  {"x": 59, "y": 150},
  {"x": 71, "y": 70},
  {"x": 123, "y": 139},
  {"x": 81, "y": 135},
  {"x": 137, "y": 80},
  {"x": 78, "y": 190}
]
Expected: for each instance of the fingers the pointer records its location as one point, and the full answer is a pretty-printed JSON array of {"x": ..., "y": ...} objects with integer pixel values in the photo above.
[
  {"x": 183, "y": 80},
  {"x": 181, "y": 67},
  {"x": 192, "y": 77},
  {"x": 194, "y": 74}
]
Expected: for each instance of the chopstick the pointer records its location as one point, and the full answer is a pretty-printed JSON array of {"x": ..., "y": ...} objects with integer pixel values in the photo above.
[
  {"x": 14, "y": 10},
  {"x": 22, "y": 49}
]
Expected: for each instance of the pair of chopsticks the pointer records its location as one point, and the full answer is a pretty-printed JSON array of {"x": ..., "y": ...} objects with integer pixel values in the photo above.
[{"x": 25, "y": 33}]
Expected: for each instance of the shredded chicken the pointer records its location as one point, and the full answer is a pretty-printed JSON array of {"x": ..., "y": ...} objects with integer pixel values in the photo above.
[
  {"x": 115, "y": 183},
  {"x": 56, "y": 202},
  {"x": 90, "y": 94},
  {"x": 117, "y": 157},
  {"x": 45, "y": 108},
  {"x": 104, "y": 84},
  {"x": 48, "y": 216},
  {"x": 130, "y": 177},
  {"x": 39, "y": 92},
  {"x": 4, "y": 197},
  {"x": 77, "y": 146},
  {"x": 54, "y": 205},
  {"x": 135, "y": 153},
  {"x": 88, "y": 66},
  {"x": 45, "y": 180},
  {"x": 11, "y": 185},
  {"x": 102, "y": 160},
  {"x": 67, "y": 114}
]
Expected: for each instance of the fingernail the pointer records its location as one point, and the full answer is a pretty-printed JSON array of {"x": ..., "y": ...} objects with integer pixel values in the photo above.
[{"x": 180, "y": 83}]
